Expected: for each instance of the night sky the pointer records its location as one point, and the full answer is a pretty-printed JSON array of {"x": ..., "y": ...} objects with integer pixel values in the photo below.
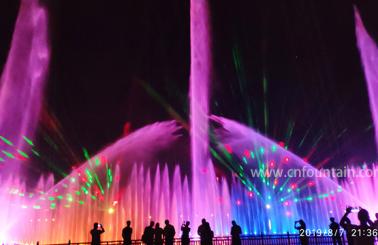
[{"x": 305, "y": 51}]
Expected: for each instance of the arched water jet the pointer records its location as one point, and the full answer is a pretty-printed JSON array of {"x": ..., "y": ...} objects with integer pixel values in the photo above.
[{"x": 268, "y": 203}]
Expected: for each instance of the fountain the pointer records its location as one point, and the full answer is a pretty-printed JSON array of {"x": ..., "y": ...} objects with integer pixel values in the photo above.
[
  {"x": 369, "y": 57},
  {"x": 145, "y": 176}
]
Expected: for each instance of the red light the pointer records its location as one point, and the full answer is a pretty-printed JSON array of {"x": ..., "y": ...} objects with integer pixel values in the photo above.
[
  {"x": 275, "y": 182},
  {"x": 238, "y": 202},
  {"x": 103, "y": 159},
  {"x": 228, "y": 148},
  {"x": 271, "y": 164},
  {"x": 286, "y": 159},
  {"x": 286, "y": 203},
  {"x": 246, "y": 154},
  {"x": 293, "y": 186},
  {"x": 281, "y": 143},
  {"x": 310, "y": 184},
  {"x": 250, "y": 194}
]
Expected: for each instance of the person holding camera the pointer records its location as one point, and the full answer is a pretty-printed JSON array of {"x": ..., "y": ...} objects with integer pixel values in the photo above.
[
  {"x": 300, "y": 225},
  {"x": 96, "y": 232},
  {"x": 185, "y": 240}
]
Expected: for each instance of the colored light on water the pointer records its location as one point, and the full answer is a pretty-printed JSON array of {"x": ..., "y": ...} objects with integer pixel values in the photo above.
[
  {"x": 97, "y": 161},
  {"x": 6, "y": 141},
  {"x": 246, "y": 154},
  {"x": 310, "y": 184},
  {"x": 228, "y": 148},
  {"x": 23, "y": 154},
  {"x": 262, "y": 150},
  {"x": 29, "y": 141},
  {"x": 245, "y": 160},
  {"x": 8, "y": 154}
]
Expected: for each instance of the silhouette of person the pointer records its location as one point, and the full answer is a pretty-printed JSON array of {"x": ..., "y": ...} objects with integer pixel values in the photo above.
[
  {"x": 169, "y": 233},
  {"x": 185, "y": 240},
  {"x": 375, "y": 224},
  {"x": 235, "y": 233},
  {"x": 96, "y": 232},
  {"x": 362, "y": 234},
  {"x": 148, "y": 234},
  {"x": 345, "y": 223},
  {"x": 158, "y": 234},
  {"x": 335, "y": 228},
  {"x": 126, "y": 233},
  {"x": 300, "y": 225},
  {"x": 209, "y": 234},
  {"x": 202, "y": 231}
]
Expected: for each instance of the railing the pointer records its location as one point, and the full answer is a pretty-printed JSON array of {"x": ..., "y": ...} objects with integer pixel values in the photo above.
[{"x": 281, "y": 239}]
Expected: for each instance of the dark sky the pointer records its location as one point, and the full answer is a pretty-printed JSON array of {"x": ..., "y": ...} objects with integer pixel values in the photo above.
[{"x": 305, "y": 50}]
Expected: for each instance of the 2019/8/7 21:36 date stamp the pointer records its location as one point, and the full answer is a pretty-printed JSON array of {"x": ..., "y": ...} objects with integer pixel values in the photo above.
[{"x": 328, "y": 232}]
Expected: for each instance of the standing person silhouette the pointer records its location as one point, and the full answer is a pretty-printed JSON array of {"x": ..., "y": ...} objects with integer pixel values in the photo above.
[
  {"x": 126, "y": 233},
  {"x": 148, "y": 234},
  {"x": 185, "y": 240},
  {"x": 169, "y": 233},
  {"x": 96, "y": 232},
  {"x": 335, "y": 228},
  {"x": 300, "y": 225},
  {"x": 375, "y": 224},
  {"x": 209, "y": 234},
  {"x": 158, "y": 234},
  {"x": 201, "y": 231},
  {"x": 345, "y": 223},
  {"x": 362, "y": 234},
  {"x": 235, "y": 233}
]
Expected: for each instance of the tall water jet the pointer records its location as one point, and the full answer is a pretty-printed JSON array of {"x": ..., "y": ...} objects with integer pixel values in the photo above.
[
  {"x": 22, "y": 84},
  {"x": 21, "y": 89},
  {"x": 200, "y": 76},
  {"x": 369, "y": 57}
]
